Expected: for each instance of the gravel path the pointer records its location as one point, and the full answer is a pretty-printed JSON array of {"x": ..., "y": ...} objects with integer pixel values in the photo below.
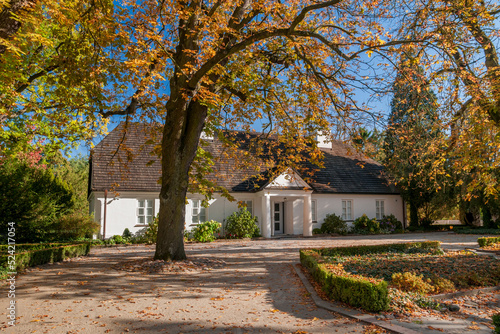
[{"x": 226, "y": 287}]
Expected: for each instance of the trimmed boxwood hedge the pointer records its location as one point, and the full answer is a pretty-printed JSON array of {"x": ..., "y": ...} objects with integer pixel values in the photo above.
[
  {"x": 487, "y": 241},
  {"x": 31, "y": 247},
  {"x": 47, "y": 255},
  {"x": 355, "y": 290},
  {"x": 375, "y": 249}
]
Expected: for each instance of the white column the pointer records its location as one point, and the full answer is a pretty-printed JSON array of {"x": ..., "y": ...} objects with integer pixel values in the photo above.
[
  {"x": 266, "y": 216},
  {"x": 307, "y": 221}
]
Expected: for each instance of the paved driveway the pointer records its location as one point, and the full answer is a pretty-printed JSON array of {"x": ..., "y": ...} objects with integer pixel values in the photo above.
[{"x": 230, "y": 287}]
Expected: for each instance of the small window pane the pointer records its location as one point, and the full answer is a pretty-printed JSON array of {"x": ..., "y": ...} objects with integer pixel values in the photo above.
[
  {"x": 313, "y": 211},
  {"x": 250, "y": 206},
  {"x": 141, "y": 203},
  {"x": 202, "y": 214},
  {"x": 276, "y": 207},
  {"x": 347, "y": 210},
  {"x": 140, "y": 220}
]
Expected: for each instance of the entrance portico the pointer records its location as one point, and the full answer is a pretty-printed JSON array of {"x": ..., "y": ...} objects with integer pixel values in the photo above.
[{"x": 286, "y": 211}]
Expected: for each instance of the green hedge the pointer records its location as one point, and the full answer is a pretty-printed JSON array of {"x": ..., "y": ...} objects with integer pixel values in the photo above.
[
  {"x": 31, "y": 247},
  {"x": 371, "y": 295},
  {"x": 47, "y": 255},
  {"x": 487, "y": 241},
  {"x": 468, "y": 230},
  {"x": 376, "y": 249},
  {"x": 496, "y": 322},
  {"x": 354, "y": 291}
]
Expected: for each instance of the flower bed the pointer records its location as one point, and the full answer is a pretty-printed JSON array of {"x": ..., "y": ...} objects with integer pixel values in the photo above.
[{"x": 412, "y": 270}]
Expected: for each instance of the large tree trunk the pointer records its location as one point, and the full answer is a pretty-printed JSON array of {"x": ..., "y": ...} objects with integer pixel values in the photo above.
[
  {"x": 413, "y": 214},
  {"x": 9, "y": 25},
  {"x": 183, "y": 126}
]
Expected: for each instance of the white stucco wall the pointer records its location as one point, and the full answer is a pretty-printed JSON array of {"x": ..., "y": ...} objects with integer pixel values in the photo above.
[
  {"x": 361, "y": 204},
  {"x": 220, "y": 207},
  {"x": 122, "y": 210}
]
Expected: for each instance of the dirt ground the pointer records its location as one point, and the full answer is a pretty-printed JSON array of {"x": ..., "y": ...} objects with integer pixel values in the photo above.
[{"x": 225, "y": 287}]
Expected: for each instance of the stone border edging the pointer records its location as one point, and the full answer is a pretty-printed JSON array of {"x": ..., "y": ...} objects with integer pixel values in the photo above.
[{"x": 364, "y": 317}]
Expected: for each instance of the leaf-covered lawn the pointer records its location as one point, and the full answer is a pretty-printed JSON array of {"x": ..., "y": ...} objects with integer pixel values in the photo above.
[{"x": 464, "y": 269}]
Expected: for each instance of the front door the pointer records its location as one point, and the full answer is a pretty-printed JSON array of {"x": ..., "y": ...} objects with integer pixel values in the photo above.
[{"x": 278, "y": 217}]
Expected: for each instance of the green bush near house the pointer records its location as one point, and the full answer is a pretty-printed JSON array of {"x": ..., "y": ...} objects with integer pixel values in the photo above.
[
  {"x": 317, "y": 231},
  {"x": 390, "y": 224},
  {"x": 74, "y": 226},
  {"x": 488, "y": 241},
  {"x": 334, "y": 224},
  {"x": 365, "y": 225},
  {"x": 126, "y": 234},
  {"x": 150, "y": 234},
  {"x": 118, "y": 239},
  {"x": 205, "y": 232},
  {"x": 241, "y": 224}
]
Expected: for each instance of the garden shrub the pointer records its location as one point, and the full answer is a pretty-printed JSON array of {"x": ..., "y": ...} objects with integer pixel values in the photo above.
[
  {"x": 241, "y": 224},
  {"x": 364, "y": 224},
  {"x": 205, "y": 232},
  {"x": 412, "y": 283},
  {"x": 442, "y": 285},
  {"x": 390, "y": 224},
  {"x": 188, "y": 235},
  {"x": 334, "y": 224},
  {"x": 496, "y": 322},
  {"x": 317, "y": 231},
  {"x": 118, "y": 239},
  {"x": 356, "y": 291},
  {"x": 126, "y": 234},
  {"x": 488, "y": 241},
  {"x": 150, "y": 234},
  {"x": 34, "y": 198},
  {"x": 73, "y": 226}
]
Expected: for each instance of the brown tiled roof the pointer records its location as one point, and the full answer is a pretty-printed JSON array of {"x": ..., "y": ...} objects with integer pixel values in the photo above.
[{"x": 134, "y": 168}]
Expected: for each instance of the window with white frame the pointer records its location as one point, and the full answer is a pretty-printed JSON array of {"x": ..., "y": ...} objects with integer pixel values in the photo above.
[
  {"x": 249, "y": 205},
  {"x": 379, "y": 207},
  {"x": 313, "y": 211},
  {"x": 198, "y": 212},
  {"x": 145, "y": 211},
  {"x": 347, "y": 209}
]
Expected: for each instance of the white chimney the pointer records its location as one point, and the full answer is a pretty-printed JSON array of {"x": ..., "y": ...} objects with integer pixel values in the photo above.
[{"x": 324, "y": 139}]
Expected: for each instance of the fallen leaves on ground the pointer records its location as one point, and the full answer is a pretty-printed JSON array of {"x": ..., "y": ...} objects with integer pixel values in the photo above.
[{"x": 148, "y": 266}]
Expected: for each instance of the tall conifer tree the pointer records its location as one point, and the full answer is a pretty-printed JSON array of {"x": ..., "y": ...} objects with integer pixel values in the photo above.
[{"x": 411, "y": 130}]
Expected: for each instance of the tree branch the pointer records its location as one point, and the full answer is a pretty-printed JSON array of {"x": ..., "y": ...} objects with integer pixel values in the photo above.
[
  {"x": 35, "y": 76},
  {"x": 307, "y": 9}
]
